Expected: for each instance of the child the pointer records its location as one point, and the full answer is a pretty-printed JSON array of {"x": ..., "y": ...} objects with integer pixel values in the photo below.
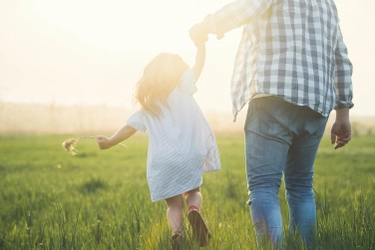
[{"x": 182, "y": 145}]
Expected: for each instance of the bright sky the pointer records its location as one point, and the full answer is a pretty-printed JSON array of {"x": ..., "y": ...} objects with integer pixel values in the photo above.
[{"x": 89, "y": 52}]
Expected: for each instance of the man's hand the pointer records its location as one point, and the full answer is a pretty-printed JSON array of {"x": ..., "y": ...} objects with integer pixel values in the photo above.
[
  {"x": 341, "y": 131},
  {"x": 199, "y": 34}
]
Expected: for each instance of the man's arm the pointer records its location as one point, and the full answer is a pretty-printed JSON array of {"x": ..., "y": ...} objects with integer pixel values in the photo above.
[
  {"x": 341, "y": 131},
  {"x": 343, "y": 75},
  {"x": 229, "y": 17}
]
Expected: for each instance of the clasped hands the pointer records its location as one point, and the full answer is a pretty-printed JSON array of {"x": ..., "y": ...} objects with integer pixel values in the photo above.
[{"x": 198, "y": 33}]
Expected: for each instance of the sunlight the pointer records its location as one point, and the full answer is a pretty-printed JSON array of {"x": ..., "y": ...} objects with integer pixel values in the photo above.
[
  {"x": 135, "y": 31},
  {"x": 100, "y": 24},
  {"x": 94, "y": 51},
  {"x": 112, "y": 24}
]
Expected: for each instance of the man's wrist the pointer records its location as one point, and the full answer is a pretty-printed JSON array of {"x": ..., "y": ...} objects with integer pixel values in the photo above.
[{"x": 342, "y": 112}]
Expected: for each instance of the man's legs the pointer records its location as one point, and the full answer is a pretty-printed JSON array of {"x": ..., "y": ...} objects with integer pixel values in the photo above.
[
  {"x": 281, "y": 137},
  {"x": 298, "y": 174},
  {"x": 267, "y": 145}
]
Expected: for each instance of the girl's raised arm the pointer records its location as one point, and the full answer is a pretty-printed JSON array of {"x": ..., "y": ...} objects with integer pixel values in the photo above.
[{"x": 199, "y": 60}]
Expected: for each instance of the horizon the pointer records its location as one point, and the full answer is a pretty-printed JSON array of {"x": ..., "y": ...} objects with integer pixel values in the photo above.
[{"x": 40, "y": 118}]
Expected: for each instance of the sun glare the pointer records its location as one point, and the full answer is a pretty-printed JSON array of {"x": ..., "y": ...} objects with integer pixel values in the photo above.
[
  {"x": 131, "y": 32},
  {"x": 94, "y": 51},
  {"x": 97, "y": 23}
]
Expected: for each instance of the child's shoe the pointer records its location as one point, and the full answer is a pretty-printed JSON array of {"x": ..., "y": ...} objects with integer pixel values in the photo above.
[
  {"x": 200, "y": 230},
  {"x": 176, "y": 241}
]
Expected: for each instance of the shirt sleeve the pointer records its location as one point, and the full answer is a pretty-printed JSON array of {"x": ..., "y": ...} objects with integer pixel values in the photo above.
[
  {"x": 343, "y": 75},
  {"x": 137, "y": 121},
  {"x": 187, "y": 83},
  {"x": 234, "y": 15}
]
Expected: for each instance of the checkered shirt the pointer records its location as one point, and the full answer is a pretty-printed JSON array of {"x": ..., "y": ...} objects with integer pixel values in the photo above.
[{"x": 292, "y": 49}]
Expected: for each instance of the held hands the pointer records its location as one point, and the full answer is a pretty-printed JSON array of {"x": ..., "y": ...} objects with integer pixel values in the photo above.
[
  {"x": 341, "y": 129},
  {"x": 198, "y": 33},
  {"x": 103, "y": 142}
]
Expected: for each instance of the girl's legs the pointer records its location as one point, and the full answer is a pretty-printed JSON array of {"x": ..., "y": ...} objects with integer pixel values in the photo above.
[
  {"x": 176, "y": 206},
  {"x": 193, "y": 198},
  {"x": 200, "y": 230},
  {"x": 175, "y": 217},
  {"x": 175, "y": 213}
]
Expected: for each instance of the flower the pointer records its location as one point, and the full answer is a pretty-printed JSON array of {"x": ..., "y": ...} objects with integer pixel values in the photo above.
[{"x": 69, "y": 145}]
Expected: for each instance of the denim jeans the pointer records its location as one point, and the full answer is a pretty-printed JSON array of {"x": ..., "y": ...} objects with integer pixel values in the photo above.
[{"x": 281, "y": 138}]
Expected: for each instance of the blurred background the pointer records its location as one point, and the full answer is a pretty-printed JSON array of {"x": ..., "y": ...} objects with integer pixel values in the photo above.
[{"x": 70, "y": 66}]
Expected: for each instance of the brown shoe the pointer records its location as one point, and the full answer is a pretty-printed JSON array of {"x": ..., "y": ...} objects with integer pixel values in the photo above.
[
  {"x": 176, "y": 241},
  {"x": 200, "y": 230}
]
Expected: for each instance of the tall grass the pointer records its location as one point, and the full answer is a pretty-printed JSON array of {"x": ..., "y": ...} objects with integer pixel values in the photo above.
[{"x": 100, "y": 200}]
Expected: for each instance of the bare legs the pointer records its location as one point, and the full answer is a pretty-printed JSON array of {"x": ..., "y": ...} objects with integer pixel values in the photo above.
[
  {"x": 176, "y": 206},
  {"x": 174, "y": 213},
  {"x": 175, "y": 218},
  {"x": 193, "y": 198}
]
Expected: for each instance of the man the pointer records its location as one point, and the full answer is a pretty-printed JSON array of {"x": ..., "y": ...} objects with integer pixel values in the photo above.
[{"x": 293, "y": 69}]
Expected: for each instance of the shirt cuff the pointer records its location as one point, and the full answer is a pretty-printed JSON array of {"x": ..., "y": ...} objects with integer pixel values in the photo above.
[{"x": 340, "y": 105}]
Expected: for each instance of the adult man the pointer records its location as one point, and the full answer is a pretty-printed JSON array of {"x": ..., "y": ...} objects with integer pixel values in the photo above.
[{"x": 293, "y": 69}]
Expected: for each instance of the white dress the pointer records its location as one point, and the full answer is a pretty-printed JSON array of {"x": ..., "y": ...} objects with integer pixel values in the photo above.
[{"x": 182, "y": 145}]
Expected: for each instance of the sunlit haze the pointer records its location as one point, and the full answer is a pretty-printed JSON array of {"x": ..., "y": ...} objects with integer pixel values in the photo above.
[{"x": 81, "y": 52}]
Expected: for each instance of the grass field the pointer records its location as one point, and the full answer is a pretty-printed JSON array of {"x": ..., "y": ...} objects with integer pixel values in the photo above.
[{"x": 100, "y": 199}]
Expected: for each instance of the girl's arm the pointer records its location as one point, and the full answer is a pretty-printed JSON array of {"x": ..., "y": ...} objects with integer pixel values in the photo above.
[
  {"x": 199, "y": 60},
  {"x": 122, "y": 134}
]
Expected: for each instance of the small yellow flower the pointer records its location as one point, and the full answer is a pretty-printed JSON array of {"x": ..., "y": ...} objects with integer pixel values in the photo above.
[{"x": 69, "y": 145}]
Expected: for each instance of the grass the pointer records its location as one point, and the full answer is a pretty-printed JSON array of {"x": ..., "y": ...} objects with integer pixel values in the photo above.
[{"x": 100, "y": 200}]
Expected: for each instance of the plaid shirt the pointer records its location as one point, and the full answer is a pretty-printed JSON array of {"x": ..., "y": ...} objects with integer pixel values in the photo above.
[{"x": 292, "y": 49}]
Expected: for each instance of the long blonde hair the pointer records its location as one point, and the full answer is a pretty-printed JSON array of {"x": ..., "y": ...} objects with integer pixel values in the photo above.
[{"x": 159, "y": 78}]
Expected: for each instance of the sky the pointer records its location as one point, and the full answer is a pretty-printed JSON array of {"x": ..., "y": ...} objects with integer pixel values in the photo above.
[{"x": 92, "y": 52}]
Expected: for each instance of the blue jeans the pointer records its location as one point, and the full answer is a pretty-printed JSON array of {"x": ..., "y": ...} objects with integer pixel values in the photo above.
[{"x": 281, "y": 138}]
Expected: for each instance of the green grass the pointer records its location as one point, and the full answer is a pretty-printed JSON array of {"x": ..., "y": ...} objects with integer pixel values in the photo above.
[{"x": 100, "y": 200}]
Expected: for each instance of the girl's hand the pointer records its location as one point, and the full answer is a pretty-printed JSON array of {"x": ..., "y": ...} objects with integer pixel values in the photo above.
[
  {"x": 122, "y": 134},
  {"x": 198, "y": 33},
  {"x": 103, "y": 142}
]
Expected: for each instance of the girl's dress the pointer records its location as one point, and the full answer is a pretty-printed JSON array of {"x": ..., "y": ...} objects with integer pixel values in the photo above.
[{"x": 182, "y": 145}]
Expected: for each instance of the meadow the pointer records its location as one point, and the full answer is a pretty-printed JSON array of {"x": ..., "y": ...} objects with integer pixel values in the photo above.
[{"x": 100, "y": 200}]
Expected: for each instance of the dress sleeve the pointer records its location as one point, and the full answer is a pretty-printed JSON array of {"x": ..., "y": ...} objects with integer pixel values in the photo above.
[
  {"x": 137, "y": 121},
  {"x": 187, "y": 83}
]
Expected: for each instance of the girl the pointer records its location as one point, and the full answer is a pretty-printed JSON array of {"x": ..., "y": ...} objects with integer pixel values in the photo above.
[{"x": 182, "y": 145}]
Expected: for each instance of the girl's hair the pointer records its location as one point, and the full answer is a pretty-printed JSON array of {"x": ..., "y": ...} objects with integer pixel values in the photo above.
[{"x": 159, "y": 78}]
